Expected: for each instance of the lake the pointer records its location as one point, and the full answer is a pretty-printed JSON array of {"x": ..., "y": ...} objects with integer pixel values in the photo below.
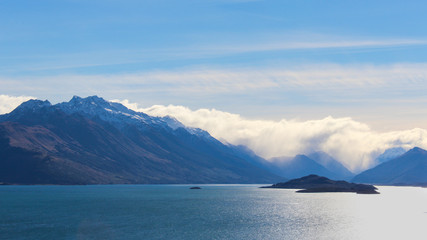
[{"x": 214, "y": 212}]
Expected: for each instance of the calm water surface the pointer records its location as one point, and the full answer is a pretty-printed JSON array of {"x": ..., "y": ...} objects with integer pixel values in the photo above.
[{"x": 215, "y": 212}]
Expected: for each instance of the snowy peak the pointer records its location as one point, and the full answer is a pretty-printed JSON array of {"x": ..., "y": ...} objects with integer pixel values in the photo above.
[
  {"x": 114, "y": 113},
  {"x": 91, "y": 105},
  {"x": 33, "y": 105},
  {"x": 94, "y": 105},
  {"x": 30, "y": 106},
  {"x": 119, "y": 115},
  {"x": 97, "y": 108},
  {"x": 94, "y": 100}
]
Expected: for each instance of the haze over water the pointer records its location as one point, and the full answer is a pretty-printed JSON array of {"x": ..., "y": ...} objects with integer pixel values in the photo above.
[{"x": 215, "y": 212}]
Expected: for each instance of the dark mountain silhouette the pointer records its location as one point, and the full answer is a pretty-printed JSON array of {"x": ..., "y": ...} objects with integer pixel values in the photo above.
[
  {"x": 314, "y": 184},
  {"x": 407, "y": 169},
  {"x": 92, "y": 141}
]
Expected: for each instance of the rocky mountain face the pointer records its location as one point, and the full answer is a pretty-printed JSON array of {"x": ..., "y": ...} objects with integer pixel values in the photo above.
[
  {"x": 407, "y": 169},
  {"x": 93, "y": 141}
]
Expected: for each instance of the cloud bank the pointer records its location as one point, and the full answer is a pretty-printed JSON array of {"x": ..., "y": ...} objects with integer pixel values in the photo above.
[
  {"x": 8, "y": 103},
  {"x": 351, "y": 142}
]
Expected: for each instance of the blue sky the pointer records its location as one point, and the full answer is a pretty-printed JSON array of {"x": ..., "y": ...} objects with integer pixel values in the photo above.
[{"x": 261, "y": 59}]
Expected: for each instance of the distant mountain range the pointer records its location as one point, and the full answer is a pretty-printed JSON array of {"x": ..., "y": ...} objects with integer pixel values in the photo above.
[
  {"x": 394, "y": 167},
  {"x": 407, "y": 169},
  {"x": 296, "y": 167},
  {"x": 389, "y": 154},
  {"x": 318, "y": 163},
  {"x": 93, "y": 141},
  {"x": 339, "y": 172}
]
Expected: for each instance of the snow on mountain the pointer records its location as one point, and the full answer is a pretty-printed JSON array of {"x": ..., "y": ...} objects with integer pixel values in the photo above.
[
  {"x": 93, "y": 141},
  {"x": 119, "y": 115}
]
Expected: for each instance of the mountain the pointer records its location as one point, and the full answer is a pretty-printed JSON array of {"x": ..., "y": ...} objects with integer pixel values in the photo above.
[
  {"x": 300, "y": 165},
  {"x": 295, "y": 167},
  {"x": 93, "y": 141},
  {"x": 407, "y": 169},
  {"x": 247, "y": 154},
  {"x": 328, "y": 162},
  {"x": 389, "y": 154}
]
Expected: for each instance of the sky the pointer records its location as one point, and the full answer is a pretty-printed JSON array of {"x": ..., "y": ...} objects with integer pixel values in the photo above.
[{"x": 363, "y": 62}]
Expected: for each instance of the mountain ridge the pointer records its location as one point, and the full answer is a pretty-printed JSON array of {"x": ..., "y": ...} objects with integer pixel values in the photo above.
[
  {"x": 92, "y": 141},
  {"x": 331, "y": 164},
  {"x": 407, "y": 169},
  {"x": 295, "y": 167}
]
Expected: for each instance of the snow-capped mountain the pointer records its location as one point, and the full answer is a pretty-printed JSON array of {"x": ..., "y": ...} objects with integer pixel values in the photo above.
[
  {"x": 93, "y": 141},
  {"x": 118, "y": 115}
]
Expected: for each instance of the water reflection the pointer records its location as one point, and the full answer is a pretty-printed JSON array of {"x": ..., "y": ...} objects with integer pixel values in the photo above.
[{"x": 215, "y": 212}]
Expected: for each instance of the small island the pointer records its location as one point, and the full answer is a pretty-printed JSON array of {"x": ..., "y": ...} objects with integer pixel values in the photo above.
[
  {"x": 195, "y": 188},
  {"x": 316, "y": 184}
]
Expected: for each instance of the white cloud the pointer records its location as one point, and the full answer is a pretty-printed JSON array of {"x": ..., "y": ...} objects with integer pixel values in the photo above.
[
  {"x": 254, "y": 43},
  {"x": 385, "y": 93},
  {"x": 323, "y": 76},
  {"x": 320, "y": 77},
  {"x": 8, "y": 103},
  {"x": 315, "y": 77},
  {"x": 352, "y": 142},
  {"x": 133, "y": 106},
  {"x": 314, "y": 44}
]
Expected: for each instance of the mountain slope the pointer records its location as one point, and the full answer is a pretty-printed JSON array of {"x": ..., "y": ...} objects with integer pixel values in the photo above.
[
  {"x": 389, "y": 154},
  {"x": 407, "y": 169},
  {"x": 92, "y": 141},
  {"x": 296, "y": 167},
  {"x": 339, "y": 171}
]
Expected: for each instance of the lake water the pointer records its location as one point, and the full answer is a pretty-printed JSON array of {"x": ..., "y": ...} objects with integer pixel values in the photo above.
[{"x": 215, "y": 212}]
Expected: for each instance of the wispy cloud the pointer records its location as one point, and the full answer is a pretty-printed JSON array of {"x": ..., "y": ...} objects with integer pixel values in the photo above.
[
  {"x": 214, "y": 80},
  {"x": 322, "y": 76},
  {"x": 313, "y": 45},
  {"x": 192, "y": 52},
  {"x": 349, "y": 82}
]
